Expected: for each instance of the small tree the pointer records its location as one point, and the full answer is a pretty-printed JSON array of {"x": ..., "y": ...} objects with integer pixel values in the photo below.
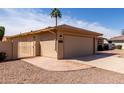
[
  {"x": 122, "y": 32},
  {"x": 2, "y": 32}
]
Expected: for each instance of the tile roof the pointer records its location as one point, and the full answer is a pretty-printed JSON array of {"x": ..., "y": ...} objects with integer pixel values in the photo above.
[{"x": 117, "y": 38}]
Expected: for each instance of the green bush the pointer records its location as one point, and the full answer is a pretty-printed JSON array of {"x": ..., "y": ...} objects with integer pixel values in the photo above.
[
  {"x": 118, "y": 46},
  {"x": 2, "y": 32},
  {"x": 2, "y": 56}
]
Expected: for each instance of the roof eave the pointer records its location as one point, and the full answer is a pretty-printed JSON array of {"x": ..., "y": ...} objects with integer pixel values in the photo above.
[{"x": 32, "y": 33}]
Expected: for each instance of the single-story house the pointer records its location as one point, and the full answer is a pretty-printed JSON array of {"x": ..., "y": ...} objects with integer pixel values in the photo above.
[
  {"x": 118, "y": 40},
  {"x": 59, "y": 42}
]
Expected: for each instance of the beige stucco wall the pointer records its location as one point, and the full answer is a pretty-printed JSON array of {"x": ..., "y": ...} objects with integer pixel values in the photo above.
[
  {"x": 15, "y": 50},
  {"x": 7, "y": 48},
  {"x": 96, "y": 44},
  {"x": 48, "y": 45},
  {"x": 60, "y": 45}
]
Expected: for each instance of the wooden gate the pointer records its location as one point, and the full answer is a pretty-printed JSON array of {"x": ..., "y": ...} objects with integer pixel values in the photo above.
[{"x": 26, "y": 49}]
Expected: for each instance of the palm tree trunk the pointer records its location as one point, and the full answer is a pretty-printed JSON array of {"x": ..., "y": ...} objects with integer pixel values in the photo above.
[{"x": 56, "y": 21}]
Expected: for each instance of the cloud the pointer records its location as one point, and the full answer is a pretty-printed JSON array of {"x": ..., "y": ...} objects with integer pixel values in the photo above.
[{"x": 23, "y": 20}]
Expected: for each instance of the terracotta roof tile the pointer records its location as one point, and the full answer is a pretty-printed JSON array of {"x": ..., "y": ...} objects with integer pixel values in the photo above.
[{"x": 117, "y": 38}]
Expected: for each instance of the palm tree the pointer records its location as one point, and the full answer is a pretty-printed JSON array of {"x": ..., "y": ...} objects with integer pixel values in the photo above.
[
  {"x": 2, "y": 32},
  {"x": 56, "y": 14}
]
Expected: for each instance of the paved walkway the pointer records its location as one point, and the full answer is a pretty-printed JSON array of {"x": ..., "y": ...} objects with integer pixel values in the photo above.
[
  {"x": 104, "y": 61},
  {"x": 55, "y": 65}
]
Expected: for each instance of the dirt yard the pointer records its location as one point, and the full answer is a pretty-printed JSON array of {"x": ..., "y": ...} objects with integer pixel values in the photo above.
[{"x": 22, "y": 72}]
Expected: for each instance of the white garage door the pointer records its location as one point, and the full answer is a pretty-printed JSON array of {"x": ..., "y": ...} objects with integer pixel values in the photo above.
[
  {"x": 77, "y": 46},
  {"x": 48, "y": 48},
  {"x": 26, "y": 49}
]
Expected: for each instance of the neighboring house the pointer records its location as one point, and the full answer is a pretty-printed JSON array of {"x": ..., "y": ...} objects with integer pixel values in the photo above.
[
  {"x": 59, "y": 42},
  {"x": 102, "y": 42},
  {"x": 5, "y": 38},
  {"x": 118, "y": 40}
]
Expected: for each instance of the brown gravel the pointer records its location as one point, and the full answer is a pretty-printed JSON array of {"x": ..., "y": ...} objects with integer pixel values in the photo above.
[{"x": 22, "y": 72}]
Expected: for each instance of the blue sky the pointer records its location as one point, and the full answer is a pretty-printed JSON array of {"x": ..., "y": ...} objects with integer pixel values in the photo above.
[
  {"x": 109, "y": 17},
  {"x": 106, "y": 21}
]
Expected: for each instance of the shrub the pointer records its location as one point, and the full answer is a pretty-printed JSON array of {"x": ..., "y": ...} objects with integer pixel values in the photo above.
[
  {"x": 118, "y": 46},
  {"x": 2, "y": 56}
]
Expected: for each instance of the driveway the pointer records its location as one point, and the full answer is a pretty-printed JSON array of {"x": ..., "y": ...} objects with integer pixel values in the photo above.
[
  {"x": 110, "y": 60},
  {"x": 52, "y": 64}
]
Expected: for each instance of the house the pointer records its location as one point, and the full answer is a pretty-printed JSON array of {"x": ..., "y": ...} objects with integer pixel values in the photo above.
[
  {"x": 5, "y": 38},
  {"x": 102, "y": 41},
  {"x": 59, "y": 42},
  {"x": 104, "y": 44},
  {"x": 118, "y": 40}
]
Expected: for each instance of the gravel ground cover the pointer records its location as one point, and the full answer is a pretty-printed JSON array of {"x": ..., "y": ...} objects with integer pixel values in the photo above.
[{"x": 12, "y": 72}]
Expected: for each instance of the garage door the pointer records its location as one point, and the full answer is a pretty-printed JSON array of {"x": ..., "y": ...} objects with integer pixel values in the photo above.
[
  {"x": 75, "y": 46},
  {"x": 48, "y": 48},
  {"x": 26, "y": 49}
]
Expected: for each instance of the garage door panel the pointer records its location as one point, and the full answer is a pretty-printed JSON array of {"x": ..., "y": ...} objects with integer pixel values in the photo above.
[
  {"x": 77, "y": 46},
  {"x": 48, "y": 48}
]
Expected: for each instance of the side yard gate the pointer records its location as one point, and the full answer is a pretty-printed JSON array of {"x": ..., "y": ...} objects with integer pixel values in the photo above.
[
  {"x": 26, "y": 49},
  {"x": 15, "y": 50}
]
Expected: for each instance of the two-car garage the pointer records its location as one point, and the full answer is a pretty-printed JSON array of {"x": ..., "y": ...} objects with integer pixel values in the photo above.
[{"x": 59, "y": 42}]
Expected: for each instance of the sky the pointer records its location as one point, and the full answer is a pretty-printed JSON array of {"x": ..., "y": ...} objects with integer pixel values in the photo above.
[{"x": 108, "y": 21}]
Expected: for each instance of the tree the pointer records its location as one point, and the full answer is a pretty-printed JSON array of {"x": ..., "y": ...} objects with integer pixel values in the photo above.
[
  {"x": 56, "y": 14},
  {"x": 2, "y": 32}
]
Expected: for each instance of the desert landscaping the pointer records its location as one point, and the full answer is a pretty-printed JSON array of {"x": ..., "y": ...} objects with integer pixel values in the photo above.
[
  {"x": 58, "y": 51},
  {"x": 22, "y": 72}
]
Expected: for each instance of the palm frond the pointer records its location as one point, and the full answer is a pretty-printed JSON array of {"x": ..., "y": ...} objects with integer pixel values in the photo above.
[{"x": 56, "y": 13}]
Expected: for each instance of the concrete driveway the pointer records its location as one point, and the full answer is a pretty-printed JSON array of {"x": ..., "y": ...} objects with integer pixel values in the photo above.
[
  {"x": 105, "y": 61},
  {"x": 108, "y": 60},
  {"x": 52, "y": 64}
]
